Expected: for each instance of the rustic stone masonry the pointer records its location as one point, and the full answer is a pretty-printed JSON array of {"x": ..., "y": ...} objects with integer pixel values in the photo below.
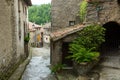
[
  {"x": 103, "y": 11},
  {"x": 65, "y": 13},
  {"x": 12, "y": 46},
  {"x": 58, "y": 38}
]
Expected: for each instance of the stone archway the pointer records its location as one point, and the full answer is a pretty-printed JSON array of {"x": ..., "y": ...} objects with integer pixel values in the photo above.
[
  {"x": 118, "y": 1},
  {"x": 110, "y": 49},
  {"x": 112, "y": 39}
]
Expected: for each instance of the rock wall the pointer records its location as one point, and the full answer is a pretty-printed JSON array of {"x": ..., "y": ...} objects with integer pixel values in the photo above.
[
  {"x": 56, "y": 48},
  {"x": 105, "y": 11},
  {"x": 64, "y": 11},
  {"x": 12, "y": 48}
]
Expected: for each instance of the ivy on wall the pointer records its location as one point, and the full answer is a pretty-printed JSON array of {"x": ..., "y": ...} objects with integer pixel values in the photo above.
[{"x": 83, "y": 10}]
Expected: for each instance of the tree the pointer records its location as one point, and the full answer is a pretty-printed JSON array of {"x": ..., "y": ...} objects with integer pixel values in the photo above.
[{"x": 40, "y": 14}]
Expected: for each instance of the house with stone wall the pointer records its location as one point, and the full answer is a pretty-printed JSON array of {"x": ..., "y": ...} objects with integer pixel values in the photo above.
[
  {"x": 46, "y": 34},
  {"x": 106, "y": 13},
  {"x": 36, "y": 34},
  {"x": 66, "y": 23},
  {"x": 14, "y": 27},
  {"x": 64, "y": 26}
]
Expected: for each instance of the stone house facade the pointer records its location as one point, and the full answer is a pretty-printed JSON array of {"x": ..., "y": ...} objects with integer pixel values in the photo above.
[
  {"x": 39, "y": 34},
  {"x": 64, "y": 13},
  {"x": 106, "y": 13},
  {"x": 36, "y": 34},
  {"x": 65, "y": 24},
  {"x": 46, "y": 34},
  {"x": 13, "y": 22}
]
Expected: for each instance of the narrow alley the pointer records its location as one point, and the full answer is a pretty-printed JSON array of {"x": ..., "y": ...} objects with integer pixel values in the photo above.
[{"x": 38, "y": 68}]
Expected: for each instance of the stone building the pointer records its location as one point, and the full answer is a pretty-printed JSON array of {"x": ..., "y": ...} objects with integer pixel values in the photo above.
[
  {"x": 64, "y": 25},
  {"x": 46, "y": 34},
  {"x": 65, "y": 15},
  {"x": 39, "y": 34},
  {"x": 13, "y": 22},
  {"x": 106, "y": 13},
  {"x": 36, "y": 34}
]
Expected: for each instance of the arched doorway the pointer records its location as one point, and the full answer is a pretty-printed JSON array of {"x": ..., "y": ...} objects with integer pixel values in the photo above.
[
  {"x": 118, "y": 1},
  {"x": 110, "y": 49},
  {"x": 112, "y": 38}
]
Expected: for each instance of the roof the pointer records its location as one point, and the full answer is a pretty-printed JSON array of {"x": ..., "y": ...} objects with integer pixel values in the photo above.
[
  {"x": 33, "y": 26},
  {"x": 66, "y": 31},
  {"x": 28, "y": 2}
]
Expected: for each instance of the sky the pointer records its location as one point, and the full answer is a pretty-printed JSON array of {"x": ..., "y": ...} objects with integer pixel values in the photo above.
[{"x": 39, "y": 2}]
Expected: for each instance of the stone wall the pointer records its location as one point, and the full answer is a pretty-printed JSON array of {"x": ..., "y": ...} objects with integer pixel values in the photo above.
[
  {"x": 99, "y": 11},
  {"x": 12, "y": 48},
  {"x": 105, "y": 11},
  {"x": 56, "y": 48},
  {"x": 6, "y": 36},
  {"x": 64, "y": 11}
]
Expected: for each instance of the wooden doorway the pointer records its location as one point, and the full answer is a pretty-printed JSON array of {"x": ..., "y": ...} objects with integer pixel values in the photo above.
[{"x": 65, "y": 53}]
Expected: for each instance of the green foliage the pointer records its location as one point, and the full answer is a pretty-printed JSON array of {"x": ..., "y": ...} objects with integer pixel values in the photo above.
[
  {"x": 83, "y": 10},
  {"x": 40, "y": 14},
  {"x": 85, "y": 47},
  {"x": 82, "y": 54},
  {"x": 57, "y": 68},
  {"x": 91, "y": 37},
  {"x": 27, "y": 38}
]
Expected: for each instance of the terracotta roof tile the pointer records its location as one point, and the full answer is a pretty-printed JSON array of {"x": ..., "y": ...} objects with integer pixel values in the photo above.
[{"x": 56, "y": 35}]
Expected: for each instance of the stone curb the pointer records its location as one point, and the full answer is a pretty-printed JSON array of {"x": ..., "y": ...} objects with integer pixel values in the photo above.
[{"x": 20, "y": 70}]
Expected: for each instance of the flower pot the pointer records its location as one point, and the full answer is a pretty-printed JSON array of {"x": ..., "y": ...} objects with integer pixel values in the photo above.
[{"x": 84, "y": 68}]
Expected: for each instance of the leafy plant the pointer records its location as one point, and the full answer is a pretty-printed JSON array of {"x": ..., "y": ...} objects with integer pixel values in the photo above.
[
  {"x": 57, "y": 67},
  {"x": 27, "y": 38},
  {"x": 83, "y": 10},
  {"x": 85, "y": 47},
  {"x": 91, "y": 36},
  {"x": 83, "y": 55}
]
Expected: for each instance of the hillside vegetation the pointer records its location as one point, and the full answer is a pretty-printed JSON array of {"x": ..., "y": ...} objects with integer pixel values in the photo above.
[{"x": 39, "y": 14}]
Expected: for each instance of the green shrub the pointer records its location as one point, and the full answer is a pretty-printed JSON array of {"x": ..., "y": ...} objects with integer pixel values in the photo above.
[
  {"x": 82, "y": 54},
  {"x": 85, "y": 47},
  {"x": 57, "y": 68},
  {"x": 27, "y": 38},
  {"x": 91, "y": 36}
]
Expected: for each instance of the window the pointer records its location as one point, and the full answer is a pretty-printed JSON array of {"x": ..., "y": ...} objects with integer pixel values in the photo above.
[
  {"x": 71, "y": 23},
  {"x": 19, "y": 29}
]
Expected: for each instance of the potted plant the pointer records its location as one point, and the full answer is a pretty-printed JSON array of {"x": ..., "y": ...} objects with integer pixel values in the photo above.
[
  {"x": 84, "y": 60},
  {"x": 84, "y": 49}
]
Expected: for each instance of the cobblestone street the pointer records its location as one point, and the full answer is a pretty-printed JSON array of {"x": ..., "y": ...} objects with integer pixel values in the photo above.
[{"x": 38, "y": 67}]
